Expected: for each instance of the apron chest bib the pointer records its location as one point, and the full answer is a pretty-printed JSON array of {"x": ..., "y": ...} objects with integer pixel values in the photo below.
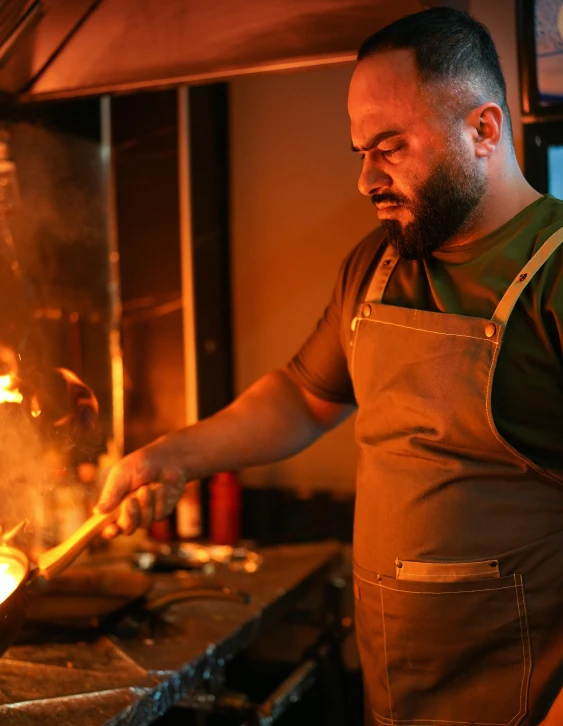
[{"x": 456, "y": 534}]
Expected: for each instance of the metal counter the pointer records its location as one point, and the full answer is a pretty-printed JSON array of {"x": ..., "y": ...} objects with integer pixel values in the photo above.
[{"x": 121, "y": 678}]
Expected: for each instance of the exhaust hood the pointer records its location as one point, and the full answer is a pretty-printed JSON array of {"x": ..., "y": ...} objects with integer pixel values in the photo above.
[
  {"x": 32, "y": 34},
  {"x": 70, "y": 48}
]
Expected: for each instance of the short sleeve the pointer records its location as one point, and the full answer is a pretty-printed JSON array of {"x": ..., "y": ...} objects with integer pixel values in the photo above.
[{"x": 321, "y": 364}]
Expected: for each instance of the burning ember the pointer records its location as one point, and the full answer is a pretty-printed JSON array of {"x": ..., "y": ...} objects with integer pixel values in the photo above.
[{"x": 11, "y": 574}]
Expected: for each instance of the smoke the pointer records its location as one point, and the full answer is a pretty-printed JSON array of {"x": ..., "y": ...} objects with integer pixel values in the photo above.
[{"x": 24, "y": 484}]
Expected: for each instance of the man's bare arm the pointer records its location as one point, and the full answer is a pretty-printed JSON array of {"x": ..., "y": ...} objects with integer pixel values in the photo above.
[{"x": 273, "y": 419}]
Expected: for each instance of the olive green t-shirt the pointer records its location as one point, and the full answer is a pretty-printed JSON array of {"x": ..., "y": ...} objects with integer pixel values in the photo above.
[{"x": 527, "y": 396}]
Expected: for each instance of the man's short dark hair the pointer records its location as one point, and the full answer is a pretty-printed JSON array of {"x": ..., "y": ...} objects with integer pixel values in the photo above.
[{"x": 452, "y": 49}]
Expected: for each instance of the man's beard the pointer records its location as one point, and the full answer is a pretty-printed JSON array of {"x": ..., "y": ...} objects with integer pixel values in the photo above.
[{"x": 444, "y": 205}]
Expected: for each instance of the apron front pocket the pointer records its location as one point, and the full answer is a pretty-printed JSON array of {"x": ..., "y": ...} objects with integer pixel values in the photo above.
[{"x": 444, "y": 652}]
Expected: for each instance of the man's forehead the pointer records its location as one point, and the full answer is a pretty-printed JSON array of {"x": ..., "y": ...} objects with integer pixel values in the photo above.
[
  {"x": 384, "y": 87},
  {"x": 387, "y": 74}
]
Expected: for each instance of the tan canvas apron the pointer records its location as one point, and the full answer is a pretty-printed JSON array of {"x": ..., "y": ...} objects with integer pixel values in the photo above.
[{"x": 458, "y": 539}]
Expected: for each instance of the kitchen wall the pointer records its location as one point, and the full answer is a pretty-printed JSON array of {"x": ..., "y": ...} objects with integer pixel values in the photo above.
[{"x": 296, "y": 212}]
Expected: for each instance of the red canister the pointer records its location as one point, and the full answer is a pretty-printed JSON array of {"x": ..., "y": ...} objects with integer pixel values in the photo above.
[{"x": 224, "y": 509}]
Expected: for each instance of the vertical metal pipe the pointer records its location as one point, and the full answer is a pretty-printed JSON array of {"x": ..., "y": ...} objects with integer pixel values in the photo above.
[
  {"x": 116, "y": 355},
  {"x": 186, "y": 252}
]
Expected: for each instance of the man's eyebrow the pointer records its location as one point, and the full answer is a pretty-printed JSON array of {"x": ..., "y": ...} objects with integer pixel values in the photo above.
[{"x": 375, "y": 140}]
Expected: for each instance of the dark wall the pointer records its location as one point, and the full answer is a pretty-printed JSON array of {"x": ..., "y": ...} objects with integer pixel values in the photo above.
[
  {"x": 146, "y": 151},
  {"x": 144, "y": 135}
]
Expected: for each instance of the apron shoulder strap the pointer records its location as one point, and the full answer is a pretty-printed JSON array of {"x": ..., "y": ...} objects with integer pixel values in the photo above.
[
  {"x": 379, "y": 280},
  {"x": 519, "y": 284},
  {"x": 382, "y": 274}
]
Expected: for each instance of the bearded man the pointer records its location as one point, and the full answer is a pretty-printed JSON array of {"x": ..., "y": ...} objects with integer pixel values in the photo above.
[{"x": 444, "y": 332}]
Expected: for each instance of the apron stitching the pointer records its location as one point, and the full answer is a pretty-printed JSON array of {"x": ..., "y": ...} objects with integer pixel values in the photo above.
[
  {"x": 354, "y": 349},
  {"x": 524, "y": 670},
  {"x": 525, "y": 643},
  {"x": 497, "y": 434},
  {"x": 423, "y": 330},
  {"x": 385, "y": 655},
  {"x": 526, "y": 652},
  {"x": 517, "y": 579},
  {"x": 431, "y": 722},
  {"x": 518, "y": 588},
  {"x": 456, "y": 592},
  {"x": 422, "y": 592}
]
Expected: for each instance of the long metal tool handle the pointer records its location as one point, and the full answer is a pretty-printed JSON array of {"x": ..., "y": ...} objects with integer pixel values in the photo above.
[{"x": 54, "y": 561}]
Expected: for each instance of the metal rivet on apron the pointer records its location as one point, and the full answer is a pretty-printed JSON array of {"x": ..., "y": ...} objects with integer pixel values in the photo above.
[
  {"x": 386, "y": 262},
  {"x": 366, "y": 311},
  {"x": 493, "y": 563},
  {"x": 522, "y": 277},
  {"x": 399, "y": 564},
  {"x": 490, "y": 330}
]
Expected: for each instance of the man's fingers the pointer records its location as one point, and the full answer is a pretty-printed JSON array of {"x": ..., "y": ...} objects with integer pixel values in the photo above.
[
  {"x": 111, "y": 531},
  {"x": 167, "y": 495},
  {"x": 150, "y": 503},
  {"x": 117, "y": 486},
  {"x": 138, "y": 511},
  {"x": 145, "y": 497},
  {"x": 130, "y": 516},
  {"x": 136, "y": 474},
  {"x": 128, "y": 475},
  {"x": 160, "y": 499}
]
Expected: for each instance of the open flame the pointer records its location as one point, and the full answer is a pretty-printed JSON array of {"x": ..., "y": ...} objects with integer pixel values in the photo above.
[
  {"x": 11, "y": 574},
  {"x": 82, "y": 403},
  {"x": 9, "y": 392}
]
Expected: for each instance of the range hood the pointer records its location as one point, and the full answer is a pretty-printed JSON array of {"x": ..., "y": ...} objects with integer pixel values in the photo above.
[
  {"x": 32, "y": 34},
  {"x": 70, "y": 48}
]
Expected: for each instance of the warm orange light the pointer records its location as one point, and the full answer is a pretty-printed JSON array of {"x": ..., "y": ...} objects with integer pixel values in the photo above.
[
  {"x": 82, "y": 395},
  {"x": 11, "y": 574},
  {"x": 8, "y": 393}
]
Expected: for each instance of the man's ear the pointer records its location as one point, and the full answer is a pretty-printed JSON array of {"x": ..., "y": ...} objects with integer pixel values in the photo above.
[{"x": 485, "y": 123}]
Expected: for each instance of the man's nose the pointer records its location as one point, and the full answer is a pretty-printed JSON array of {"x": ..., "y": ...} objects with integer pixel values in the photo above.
[{"x": 372, "y": 179}]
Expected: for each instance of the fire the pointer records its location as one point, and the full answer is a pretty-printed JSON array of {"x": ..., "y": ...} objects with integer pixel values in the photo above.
[
  {"x": 11, "y": 574},
  {"x": 8, "y": 391}
]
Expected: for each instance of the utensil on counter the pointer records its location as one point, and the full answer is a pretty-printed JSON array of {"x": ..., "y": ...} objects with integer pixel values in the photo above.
[
  {"x": 208, "y": 559},
  {"x": 90, "y": 600},
  {"x": 20, "y": 578}
]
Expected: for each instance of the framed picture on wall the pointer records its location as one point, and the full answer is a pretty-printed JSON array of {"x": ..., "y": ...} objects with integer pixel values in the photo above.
[{"x": 540, "y": 51}]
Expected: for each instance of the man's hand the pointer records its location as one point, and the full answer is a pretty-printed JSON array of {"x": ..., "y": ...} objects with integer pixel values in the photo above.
[
  {"x": 158, "y": 485},
  {"x": 272, "y": 420}
]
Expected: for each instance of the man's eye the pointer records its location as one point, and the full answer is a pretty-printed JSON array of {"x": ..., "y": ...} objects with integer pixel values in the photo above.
[{"x": 390, "y": 152}]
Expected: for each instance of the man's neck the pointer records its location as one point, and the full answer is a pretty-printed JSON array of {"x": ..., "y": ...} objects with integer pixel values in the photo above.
[{"x": 495, "y": 210}]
